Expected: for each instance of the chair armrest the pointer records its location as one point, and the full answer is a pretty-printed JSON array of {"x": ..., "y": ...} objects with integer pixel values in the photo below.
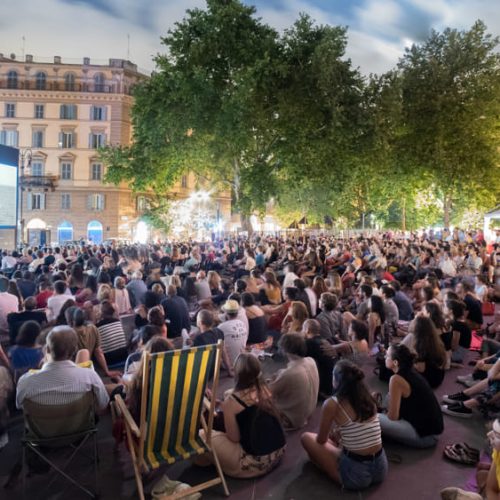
[{"x": 129, "y": 421}]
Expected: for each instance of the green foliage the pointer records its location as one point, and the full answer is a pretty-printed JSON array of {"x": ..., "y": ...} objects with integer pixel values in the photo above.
[{"x": 288, "y": 117}]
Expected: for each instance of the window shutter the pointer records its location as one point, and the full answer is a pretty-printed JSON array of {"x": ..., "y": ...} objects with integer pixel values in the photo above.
[
  {"x": 91, "y": 117},
  {"x": 104, "y": 113},
  {"x": 62, "y": 112},
  {"x": 89, "y": 202},
  {"x": 3, "y": 137},
  {"x": 90, "y": 141},
  {"x": 73, "y": 112},
  {"x": 29, "y": 201},
  {"x": 42, "y": 201},
  {"x": 103, "y": 201}
]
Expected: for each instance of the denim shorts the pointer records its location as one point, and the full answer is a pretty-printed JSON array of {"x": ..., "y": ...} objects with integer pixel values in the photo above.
[{"x": 359, "y": 475}]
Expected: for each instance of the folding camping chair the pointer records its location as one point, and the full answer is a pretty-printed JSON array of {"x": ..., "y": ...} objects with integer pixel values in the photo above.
[
  {"x": 60, "y": 426},
  {"x": 173, "y": 393}
]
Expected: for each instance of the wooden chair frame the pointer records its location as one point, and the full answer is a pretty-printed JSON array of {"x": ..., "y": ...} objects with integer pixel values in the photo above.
[{"x": 136, "y": 435}]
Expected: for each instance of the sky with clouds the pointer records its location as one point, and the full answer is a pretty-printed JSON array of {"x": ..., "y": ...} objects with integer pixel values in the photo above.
[{"x": 379, "y": 30}]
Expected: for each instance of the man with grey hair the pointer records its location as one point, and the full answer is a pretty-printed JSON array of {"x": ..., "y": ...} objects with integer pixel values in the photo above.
[
  {"x": 60, "y": 381},
  {"x": 137, "y": 289}
]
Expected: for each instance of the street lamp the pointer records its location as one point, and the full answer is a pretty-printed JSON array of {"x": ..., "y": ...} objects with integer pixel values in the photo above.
[{"x": 26, "y": 156}]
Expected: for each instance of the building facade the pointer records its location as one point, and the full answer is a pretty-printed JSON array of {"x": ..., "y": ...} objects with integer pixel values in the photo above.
[{"x": 58, "y": 115}]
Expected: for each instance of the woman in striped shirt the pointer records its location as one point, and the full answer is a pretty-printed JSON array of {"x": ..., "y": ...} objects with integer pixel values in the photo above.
[
  {"x": 113, "y": 341},
  {"x": 352, "y": 455}
]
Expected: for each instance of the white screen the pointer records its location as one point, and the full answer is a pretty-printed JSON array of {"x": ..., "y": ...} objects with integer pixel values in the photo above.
[{"x": 8, "y": 195}]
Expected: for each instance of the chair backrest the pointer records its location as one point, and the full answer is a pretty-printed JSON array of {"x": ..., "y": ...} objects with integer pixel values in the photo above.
[
  {"x": 174, "y": 385},
  {"x": 58, "y": 421}
]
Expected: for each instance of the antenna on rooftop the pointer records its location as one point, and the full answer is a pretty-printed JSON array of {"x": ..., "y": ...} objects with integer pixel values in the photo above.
[
  {"x": 23, "y": 47},
  {"x": 128, "y": 47}
]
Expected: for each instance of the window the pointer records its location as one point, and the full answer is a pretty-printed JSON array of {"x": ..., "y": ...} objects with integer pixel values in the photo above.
[
  {"x": 36, "y": 201},
  {"x": 65, "y": 202},
  {"x": 9, "y": 138},
  {"x": 37, "y": 140},
  {"x": 39, "y": 110},
  {"x": 97, "y": 140},
  {"x": 143, "y": 204},
  {"x": 37, "y": 168},
  {"x": 98, "y": 113},
  {"x": 41, "y": 80},
  {"x": 69, "y": 82},
  {"x": 64, "y": 232},
  {"x": 66, "y": 171},
  {"x": 95, "y": 201},
  {"x": 96, "y": 171},
  {"x": 10, "y": 110},
  {"x": 12, "y": 79},
  {"x": 67, "y": 139},
  {"x": 99, "y": 82},
  {"x": 67, "y": 112}
]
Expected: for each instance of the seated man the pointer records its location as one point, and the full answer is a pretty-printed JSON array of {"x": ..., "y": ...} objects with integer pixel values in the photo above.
[
  {"x": 61, "y": 381},
  {"x": 55, "y": 303}
]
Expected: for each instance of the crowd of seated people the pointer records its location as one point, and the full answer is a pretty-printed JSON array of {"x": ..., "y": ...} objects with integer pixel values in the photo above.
[{"x": 327, "y": 309}]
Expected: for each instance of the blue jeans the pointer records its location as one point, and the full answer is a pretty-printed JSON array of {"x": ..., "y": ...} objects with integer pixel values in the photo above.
[
  {"x": 359, "y": 475},
  {"x": 403, "y": 432}
]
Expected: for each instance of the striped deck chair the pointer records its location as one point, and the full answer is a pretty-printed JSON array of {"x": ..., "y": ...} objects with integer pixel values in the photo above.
[{"x": 173, "y": 397}]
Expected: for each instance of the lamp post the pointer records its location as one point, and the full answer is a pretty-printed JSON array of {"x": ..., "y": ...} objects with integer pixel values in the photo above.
[{"x": 26, "y": 156}]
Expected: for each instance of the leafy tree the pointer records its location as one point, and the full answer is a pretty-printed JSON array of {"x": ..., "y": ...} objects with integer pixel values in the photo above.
[
  {"x": 201, "y": 110},
  {"x": 450, "y": 91}
]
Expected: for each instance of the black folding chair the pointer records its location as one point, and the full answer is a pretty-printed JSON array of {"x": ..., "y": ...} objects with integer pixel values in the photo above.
[{"x": 70, "y": 426}]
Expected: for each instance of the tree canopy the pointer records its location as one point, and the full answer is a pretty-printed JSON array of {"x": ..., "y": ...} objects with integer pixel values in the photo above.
[{"x": 287, "y": 117}]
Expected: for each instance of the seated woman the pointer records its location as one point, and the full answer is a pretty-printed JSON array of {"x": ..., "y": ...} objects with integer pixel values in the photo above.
[
  {"x": 271, "y": 289},
  {"x": 113, "y": 341},
  {"x": 431, "y": 355},
  {"x": 356, "y": 348},
  {"x": 257, "y": 324},
  {"x": 295, "y": 318},
  {"x": 461, "y": 334},
  {"x": 253, "y": 442},
  {"x": 26, "y": 354},
  {"x": 360, "y": 460},
  {"x": 295, "y": 388},
  {"x": 133, "y": 385},
  {"x": 409, "y": 393},
  {"x": 376, "y": 319}
]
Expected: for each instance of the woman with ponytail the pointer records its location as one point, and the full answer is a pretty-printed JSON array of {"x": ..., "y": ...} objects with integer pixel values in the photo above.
[
  {"x": 352, "y": 455},
  {"x": 413, "y": 416},
  {"x": 254, "y": 441}
]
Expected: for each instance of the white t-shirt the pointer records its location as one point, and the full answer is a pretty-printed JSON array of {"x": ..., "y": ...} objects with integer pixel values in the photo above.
[{"x": 235, "y": 337}]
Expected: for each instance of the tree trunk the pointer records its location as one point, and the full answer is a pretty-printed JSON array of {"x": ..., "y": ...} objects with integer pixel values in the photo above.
[
  {"x": 246, "y": 224},
  {"x": 447, "y": 211}
]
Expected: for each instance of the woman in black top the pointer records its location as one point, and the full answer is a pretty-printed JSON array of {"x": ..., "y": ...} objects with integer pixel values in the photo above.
[
  {"x": 414, "y": 416},
  {"x": 254, "y": 441},
  {"x": 431, "y": 355},
  {"x": 460, "y": 333}
]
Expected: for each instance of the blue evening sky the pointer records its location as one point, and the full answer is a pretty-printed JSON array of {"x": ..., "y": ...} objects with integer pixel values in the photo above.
[{"x": 379, "y": 30}]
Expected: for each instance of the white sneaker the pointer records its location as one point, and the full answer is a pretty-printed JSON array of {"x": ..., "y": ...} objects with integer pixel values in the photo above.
[
  {"x": 165, "y": 486},
  {"x": 463, "y": 379},
  {"x": 183, "y": 486}
]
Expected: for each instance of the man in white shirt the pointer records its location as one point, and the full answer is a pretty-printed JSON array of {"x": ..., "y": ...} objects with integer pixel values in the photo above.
[
  {"x": 55, "y": 303},
  {"x": 60, "y": 381},
  {"x": 235, "y": 334},
  {"x": 8, "y": 261},
  {"x": 8, "y": 303},
  {"x": 290, "y": 276}
]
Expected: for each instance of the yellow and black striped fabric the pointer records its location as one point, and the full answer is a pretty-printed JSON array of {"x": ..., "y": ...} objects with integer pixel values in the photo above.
[{"x": 177, "y": 382}]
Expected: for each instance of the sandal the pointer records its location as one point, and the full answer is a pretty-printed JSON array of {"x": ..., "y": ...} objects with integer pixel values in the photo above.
[{"x": 457, "y": 453}]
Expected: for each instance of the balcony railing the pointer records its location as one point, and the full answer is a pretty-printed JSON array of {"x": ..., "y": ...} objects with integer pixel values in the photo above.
[
  {"x": 58, "y": 85},
  {"x": 47, "y": 182}
]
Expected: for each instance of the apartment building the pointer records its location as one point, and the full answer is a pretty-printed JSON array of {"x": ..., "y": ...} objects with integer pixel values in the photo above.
[{"x": 58, "y": 114}]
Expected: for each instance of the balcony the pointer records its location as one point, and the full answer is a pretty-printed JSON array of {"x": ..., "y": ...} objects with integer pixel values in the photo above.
[
  {"x": 28, "y": 182},
  {"x": 59, "y": 85}
]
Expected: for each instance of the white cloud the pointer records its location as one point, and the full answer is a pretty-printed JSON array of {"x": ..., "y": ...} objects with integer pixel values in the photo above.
[{"x": 378, "y": 30}]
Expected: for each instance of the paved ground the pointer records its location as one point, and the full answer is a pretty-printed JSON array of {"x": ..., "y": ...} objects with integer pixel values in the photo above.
[{"x": 421, "y": 475}]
